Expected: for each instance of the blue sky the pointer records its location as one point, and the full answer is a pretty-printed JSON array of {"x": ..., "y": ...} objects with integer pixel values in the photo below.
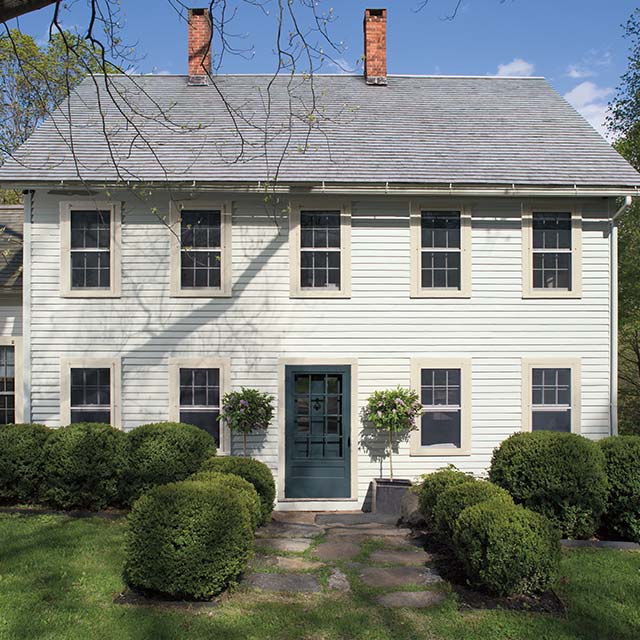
[{"x": 576, "y": 44}]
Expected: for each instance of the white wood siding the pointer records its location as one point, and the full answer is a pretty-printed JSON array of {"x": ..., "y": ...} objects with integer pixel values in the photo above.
[{"x": 379, "y": 325}]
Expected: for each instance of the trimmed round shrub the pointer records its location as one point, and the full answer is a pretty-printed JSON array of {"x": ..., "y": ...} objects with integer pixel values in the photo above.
[
  {"x": 21, "y": 461},
  {"x": 622, "y": 459},
  {"x": 188, "y": 539},
  {"x": 257, "y": 473},
  {"x": 164, "y": 452},
  {"x": 83, "y": 466},
  {"x": 454, "y": 500},
  {"x": 436, "y": 483},
  {"x": 506, "y": 549},
  {"x": 560, "y": 475},
  {"x": 241, "y": 487}
]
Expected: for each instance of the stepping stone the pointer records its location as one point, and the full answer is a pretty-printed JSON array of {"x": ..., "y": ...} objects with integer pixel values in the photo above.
[
  {"x": 391, "y": 577},
  {"x": 286, "y": 530},
  {"x": 336, "y": 550},
  {"x": 356, "y": 518},
  {"x": 295, "y": 582},
  {"x": 412, "y": 599},
  {"x": 431, "y": 576},
  {"x": 404, "y": 558},
  {"x": 367, "y": 530},
  {"x": 285, "y": 563},
  {"x": 291, "y": 545},
  {"x": 338, "y": 581}
]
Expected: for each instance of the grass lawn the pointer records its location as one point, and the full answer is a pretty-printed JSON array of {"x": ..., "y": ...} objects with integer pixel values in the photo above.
[{"x": 59, "y": 577}]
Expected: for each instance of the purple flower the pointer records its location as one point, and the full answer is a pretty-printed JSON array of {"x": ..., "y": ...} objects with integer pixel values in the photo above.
[
  {"x": 379, "y": 414},
  {"x": 244, "y": 403}
]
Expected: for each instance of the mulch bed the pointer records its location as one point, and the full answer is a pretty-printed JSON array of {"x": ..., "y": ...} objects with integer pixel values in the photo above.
[
  {"x": 151, "y": 599},
  {"x": 109, "y": 514},
  {"x": 449, "y": 568}
]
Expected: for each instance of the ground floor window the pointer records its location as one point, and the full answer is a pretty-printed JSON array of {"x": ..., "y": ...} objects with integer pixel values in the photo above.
[{"x": 7, "y": 384}]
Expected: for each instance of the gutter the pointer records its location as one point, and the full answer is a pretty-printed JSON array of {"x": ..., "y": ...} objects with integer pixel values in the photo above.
[{"x": 613, "y": 317}]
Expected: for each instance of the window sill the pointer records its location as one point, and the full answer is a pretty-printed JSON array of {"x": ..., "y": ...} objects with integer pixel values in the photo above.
[
  {"x": 439, "y": 451},
  {"x": 320, "y": 294},
  {"x": 441, "y": 293},
  {"x": 90, "y": 293},
  {"x": 200, "y": 293},
  {"x": 551, "y": 295}
]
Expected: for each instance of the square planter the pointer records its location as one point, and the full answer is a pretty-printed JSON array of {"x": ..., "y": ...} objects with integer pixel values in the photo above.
[{"x": 387, "y": 495}]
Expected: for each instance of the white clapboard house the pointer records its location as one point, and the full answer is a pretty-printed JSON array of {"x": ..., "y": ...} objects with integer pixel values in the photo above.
[{"x": 452, "y": 234}]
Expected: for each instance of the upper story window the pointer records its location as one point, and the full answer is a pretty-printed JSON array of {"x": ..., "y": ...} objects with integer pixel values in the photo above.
[
  {"x": 551, "y": 393},
  {"x": 440, "y": 251},
  {"x": 90, "y": 390},
  {"x": 90, "y": 248},
  {"x": 201, "y": 250},
  {"x": 551, "y": 242},
  {"x": 320, "y": 242},
  {"x": 444, "y": 387}
]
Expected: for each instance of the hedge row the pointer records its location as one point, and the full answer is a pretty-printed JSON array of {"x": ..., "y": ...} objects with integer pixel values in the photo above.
[{"x": 92, "y": 466}]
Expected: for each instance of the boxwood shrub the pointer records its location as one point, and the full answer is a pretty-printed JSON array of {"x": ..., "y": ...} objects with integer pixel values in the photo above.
[
  {"x": 188, "y": 539},
  {"x": 83, "y": 466},
  {"x": 436, "y": 483},
  {"x": 454, "y": 500},
  {"x": 560, "y": 475},
  {"x": 235, "y": 484},
  {"x": 507, "y": 549},
  {"x": 164, "y": 452},
  {"x": 622, "y": 459},
  {"x": 21, "y": 461},
  {"x": 257, "y": 473}
]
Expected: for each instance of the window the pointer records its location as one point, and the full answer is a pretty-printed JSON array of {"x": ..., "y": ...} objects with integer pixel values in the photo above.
[
  {"x": 10, "y": 380},
  {"x": 551, "y": 395},
  {"x": 200, "y": 247},
  {"x": 320, "y": 242},
  {"x": 444, "y": 387},
  {"x": 441, "y": 244},
  {"x": 196, "y": 387},
  {"x": 90, "y": 390},
  {"x": 551, "y": 239},
  {"x": 90, "y": 239}
]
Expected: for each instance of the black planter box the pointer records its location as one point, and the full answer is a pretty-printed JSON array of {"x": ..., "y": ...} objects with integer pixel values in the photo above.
[{"x": 387, "y": 495}]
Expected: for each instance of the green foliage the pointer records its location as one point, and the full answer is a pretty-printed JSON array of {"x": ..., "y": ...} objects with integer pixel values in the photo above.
[
  {"x": 246, "y": 411},
  {"x": 507, "y": 549},
  {"x": 237, "y": 485},
  {"x": 164, "y": 452},
  {"x": 454, "y": 500},
  {"x": 83, "y": 466},
  {"x": 622, "y": 455},
  {"x": 188, "y": 539},
  {"x": 21, "y": 461},
  {"x": 257, "y": 473},
  {"x": 434, "y": 485},
  {"x": 394, "y": 411},
  {"x": 560, "y": 475}
]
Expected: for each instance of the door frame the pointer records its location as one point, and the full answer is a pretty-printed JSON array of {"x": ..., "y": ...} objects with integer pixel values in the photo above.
[{"x": 281, "y": 409}]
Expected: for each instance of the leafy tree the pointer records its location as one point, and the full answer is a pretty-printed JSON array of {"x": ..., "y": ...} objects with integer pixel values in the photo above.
[{"x": 624, "y": 122}]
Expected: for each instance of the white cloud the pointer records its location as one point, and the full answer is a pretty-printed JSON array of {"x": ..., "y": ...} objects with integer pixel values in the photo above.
[
  {"x": 577, "y": 71},
  {"x": 341, "y": 66},
  {"x": 517, "y": 67},
  {"x": 591, "y": 64},
  {"x": 590, "y": 101}
]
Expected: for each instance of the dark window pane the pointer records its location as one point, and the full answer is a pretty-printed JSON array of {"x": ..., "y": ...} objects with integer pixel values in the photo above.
[
  {"x": 90, "y": 229},
  {"x": 440, "y": 428},
  {"x": 552, "y": 420},
  {"x": 440, "y": 229},
  {"x": 552, "y": 270},
  {"x": 551, "y": 230},
  {"x": 206, "y": 420},
  {"x": 90, "y": 415},
  {"x": 200, "y": 228},
  {"x": 200, "y": 269}
]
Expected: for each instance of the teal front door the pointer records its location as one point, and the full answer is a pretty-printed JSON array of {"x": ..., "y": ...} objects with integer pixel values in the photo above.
[{"x": 318, "y": 429}]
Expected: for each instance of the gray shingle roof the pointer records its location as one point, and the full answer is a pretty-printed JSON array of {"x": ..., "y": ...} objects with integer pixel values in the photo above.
[
  {"x": 425, "y": 130},
  {"x": 11, "y": 223}
]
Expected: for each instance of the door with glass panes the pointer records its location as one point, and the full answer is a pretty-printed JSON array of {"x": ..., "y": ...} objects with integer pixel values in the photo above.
[{"x": 318, "y": 429}]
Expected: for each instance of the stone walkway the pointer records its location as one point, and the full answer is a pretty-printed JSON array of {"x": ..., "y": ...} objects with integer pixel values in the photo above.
[{"x": 320, "y": 553}]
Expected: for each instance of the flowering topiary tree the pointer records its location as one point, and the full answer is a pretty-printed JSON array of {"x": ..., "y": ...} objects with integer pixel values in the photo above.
[
  {"x": 246, "y": 411},
  {"x": 393, "y": 411}
]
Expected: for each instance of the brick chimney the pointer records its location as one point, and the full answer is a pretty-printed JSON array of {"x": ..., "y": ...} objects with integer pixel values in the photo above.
[
  {"x": 375, "y": 46},
  {"x": 200, "y": 31}
]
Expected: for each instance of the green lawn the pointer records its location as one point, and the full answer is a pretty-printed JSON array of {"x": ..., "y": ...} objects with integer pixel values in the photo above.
[{"x": 59, "y": 576}]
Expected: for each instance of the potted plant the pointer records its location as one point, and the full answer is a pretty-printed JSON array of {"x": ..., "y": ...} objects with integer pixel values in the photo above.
[
  {"x": 246, "y": 411},
  {"x": 394, "y": 411}
]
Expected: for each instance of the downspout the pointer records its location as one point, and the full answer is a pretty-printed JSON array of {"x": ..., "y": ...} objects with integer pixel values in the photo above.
[
  {"x": 613, "y": 327},
  {"x": 27, "y": 198}
]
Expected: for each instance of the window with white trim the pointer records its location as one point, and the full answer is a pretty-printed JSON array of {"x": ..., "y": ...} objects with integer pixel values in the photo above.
[
  {"x": 90, "y": 394},
  {"x": 320, "y": 250},
  {"x": 441, "y": 253},
  {"x": 551, "y": 250},
  {"x": 551, "y": 399},
  {"x": 200, "y": 399},
  {"x": 7, "y": 384}
]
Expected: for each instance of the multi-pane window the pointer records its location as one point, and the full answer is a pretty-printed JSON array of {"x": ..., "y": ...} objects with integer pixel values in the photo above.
[
  {"x": 440, "y": 391},
  {"x": 200, "y": 249},
  {"x": 552, "y": 250},
  {"x": 320, "y": 250},
  {"x": 200, "y": 399},
  {"x": 440, "y": 257},
  {"x": 90, "y": 249},
  {"x": 551, "y": 399},
  {"x": 90, "y": 399},
  {"x": 7, "y": 385}
]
